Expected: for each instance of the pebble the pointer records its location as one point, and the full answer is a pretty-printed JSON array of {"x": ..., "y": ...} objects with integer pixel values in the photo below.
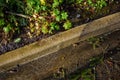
[{"x": 78, "y": 16}]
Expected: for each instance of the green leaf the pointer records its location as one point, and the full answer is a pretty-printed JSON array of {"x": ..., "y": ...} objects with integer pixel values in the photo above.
[
  {"x": 37, "y": 9},
  {"x": 55, "y": 4},
  {"x": 44, "y": 8},
  {"x": 67, "y": 25},
  {"x": 43, "y": 2},
  {"x": 79, "y": 1},
  {"x": 61, "y": 1},
  {"x": 17, "y": 40},
  {"x": 54, "y": 26},
  {"x": 55, "y": 1},
  {"x": 58, "y": 18},
  {"x": 57, "y": 27},
  {"x": 89, "y": 1},
  {"x": 2, "y": 22},
  {"x": 56, "y": 12},
  {"x": 7, "y": 28},
  {"x": 12, "y": 18},
  {"x": 44, "y": 30},
  {"x": 64, "y": 15}
]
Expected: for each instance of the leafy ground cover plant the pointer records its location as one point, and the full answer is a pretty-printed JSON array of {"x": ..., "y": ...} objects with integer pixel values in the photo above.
[{"x": 38, "y": 16}]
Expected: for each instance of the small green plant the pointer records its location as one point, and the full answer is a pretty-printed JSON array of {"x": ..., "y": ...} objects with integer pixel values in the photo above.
[
  {"x": 88, "y": 73},
  {"x": 54, "y": 26},
  {"x": 95, "y": 41},
  {"x": 7, "y": 28},
  {"x": 60, "y": 74},
  {"x": 85, "y": 74},
  {"x": 17, "y": 40},
  {"x": 40, "y": 16},
  {"x": 67, "y": 25}
]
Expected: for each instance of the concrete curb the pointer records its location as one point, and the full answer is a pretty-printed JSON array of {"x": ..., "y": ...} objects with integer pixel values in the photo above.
[
  {"x": 74, "y": 57},
  {"x": 59, "y": 41}
]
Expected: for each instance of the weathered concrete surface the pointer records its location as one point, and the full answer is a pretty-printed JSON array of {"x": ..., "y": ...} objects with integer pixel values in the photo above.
[
  {"x": 54, "y": 43},
  {"x": 69, "y": 58}
]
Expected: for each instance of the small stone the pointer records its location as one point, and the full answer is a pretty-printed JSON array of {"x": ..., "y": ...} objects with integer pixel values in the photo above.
[
  {"x": 87, "y": 19},
  {"x": 74, "y": 45},
  {"x": 78, "y": 16}
]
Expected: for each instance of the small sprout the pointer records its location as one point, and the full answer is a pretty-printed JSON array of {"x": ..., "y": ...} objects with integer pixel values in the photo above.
[
  {"x": 17, "y": 40},
  {"x": 79, "y": 1},
  {"x": 61, "y": 1},
  {"x": 56, "y": 12},
  {"x": 44, "y": 30},
  {"x": 64, "y": 15},
  {"x": 58, "y": 18},
  {"x": 67, "y": 25},
  {"x": 43, "y": 2},
  {"x": 57, "y": 27},
  {"x": 54, "y": 26},
  {"x": 55, "y": 4},
  {"x": 43, "y": 8},
  {"x": 7, "y": 28}
]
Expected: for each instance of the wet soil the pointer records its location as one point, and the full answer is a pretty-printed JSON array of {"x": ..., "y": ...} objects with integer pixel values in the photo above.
[{"x": 83, "y": 17}]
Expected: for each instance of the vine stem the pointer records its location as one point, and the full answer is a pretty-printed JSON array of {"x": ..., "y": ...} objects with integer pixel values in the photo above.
[{"x": 21, "y": 15}]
